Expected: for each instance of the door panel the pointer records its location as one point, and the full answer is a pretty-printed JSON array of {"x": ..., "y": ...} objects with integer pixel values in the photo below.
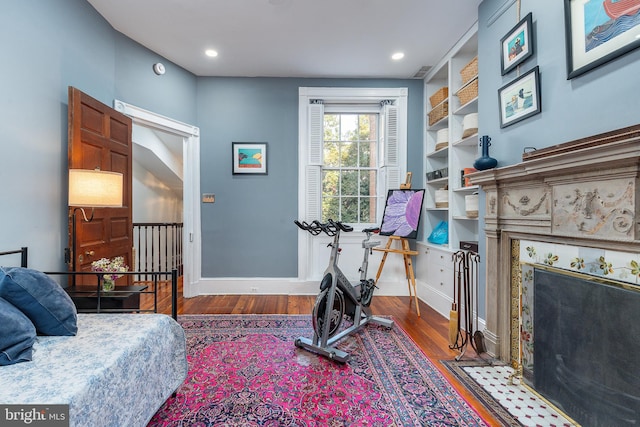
[
  {"x": 120, "y": 132},
  {"x": 100, "y": 137}
]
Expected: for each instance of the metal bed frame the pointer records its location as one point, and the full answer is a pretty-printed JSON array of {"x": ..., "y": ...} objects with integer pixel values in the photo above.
[{"x": 155, "y": 276}]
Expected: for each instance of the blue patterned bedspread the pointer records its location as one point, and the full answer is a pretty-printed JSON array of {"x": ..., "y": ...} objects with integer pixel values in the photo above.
[{"x": 117, "y": 371}]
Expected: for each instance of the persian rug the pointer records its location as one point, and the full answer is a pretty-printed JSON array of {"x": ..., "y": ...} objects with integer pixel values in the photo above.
[
  {"x": 245, "y": 370},
  {"x": 497, "y": 410}
]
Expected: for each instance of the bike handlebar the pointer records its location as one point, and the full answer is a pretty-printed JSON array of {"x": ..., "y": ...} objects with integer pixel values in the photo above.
[
  {"x": 343, "y": 227},
  {"x": 330, "y": 228}
]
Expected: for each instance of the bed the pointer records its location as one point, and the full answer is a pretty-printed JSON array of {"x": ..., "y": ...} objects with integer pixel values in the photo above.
[{"x": 117, "y": 370}]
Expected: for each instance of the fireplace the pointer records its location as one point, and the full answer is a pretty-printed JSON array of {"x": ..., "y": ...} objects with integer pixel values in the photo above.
[
  {"x": 580, "y": 194},
  {"x": 586, "y": 347}
]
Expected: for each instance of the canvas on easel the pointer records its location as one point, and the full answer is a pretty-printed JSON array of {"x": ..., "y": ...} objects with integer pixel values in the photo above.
[
  {"x": 402, "y": 213},
  {"x": 400, "y": 222}
]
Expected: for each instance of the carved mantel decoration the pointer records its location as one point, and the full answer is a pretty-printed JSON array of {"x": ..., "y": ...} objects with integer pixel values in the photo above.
[{"x": 584, "y": 192}]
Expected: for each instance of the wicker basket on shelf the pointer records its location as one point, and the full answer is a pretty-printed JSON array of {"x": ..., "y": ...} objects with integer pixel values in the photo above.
[
  {"x": 438, "y": 112},
  {"x": 469, "y": 71},
  {"x": 468, "y": 92},
  {"x": 440, "y": 95}
]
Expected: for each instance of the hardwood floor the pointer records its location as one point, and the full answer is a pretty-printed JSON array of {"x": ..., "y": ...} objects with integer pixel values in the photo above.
[{"x": 430, "y": 331}]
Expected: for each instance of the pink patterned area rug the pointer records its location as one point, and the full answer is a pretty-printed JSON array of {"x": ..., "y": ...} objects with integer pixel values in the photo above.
[{"x": 245, "y": 370}]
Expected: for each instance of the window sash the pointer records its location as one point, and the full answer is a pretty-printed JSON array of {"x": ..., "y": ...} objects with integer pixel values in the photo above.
[{"x": 339, "y": 203}]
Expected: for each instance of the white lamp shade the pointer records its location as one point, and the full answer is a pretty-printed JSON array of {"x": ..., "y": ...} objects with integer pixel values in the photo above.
[{"x": 95, "y": 188}]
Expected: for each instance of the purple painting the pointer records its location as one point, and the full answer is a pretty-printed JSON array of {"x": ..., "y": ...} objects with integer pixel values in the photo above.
[{"x": 402, "y": 213}]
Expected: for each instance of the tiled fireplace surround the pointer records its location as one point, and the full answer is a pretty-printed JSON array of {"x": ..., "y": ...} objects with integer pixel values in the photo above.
[{"x": 583, "y": 193}]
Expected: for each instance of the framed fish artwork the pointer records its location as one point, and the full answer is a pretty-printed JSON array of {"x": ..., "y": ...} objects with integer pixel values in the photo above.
[
  {"x": 249, "y": 158},
  {"x": 598, "y": 31}
]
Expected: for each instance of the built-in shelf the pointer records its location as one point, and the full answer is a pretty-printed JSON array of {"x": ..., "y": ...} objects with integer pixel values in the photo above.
[
  {"x": 461, "y": 151},
  {"x": 434, "y": 266},
  {"x": 469, "y": 107},
  {"x": 469, "y": 189},
  {"x": 468, "y": 141},
  {"x": 440, "y": 124},
  {"x": 439, "y": 181},
  {"x": 442, "y": 153}
]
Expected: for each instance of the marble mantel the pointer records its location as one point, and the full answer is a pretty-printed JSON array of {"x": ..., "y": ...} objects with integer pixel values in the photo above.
[{"x": 584, "y": 192}]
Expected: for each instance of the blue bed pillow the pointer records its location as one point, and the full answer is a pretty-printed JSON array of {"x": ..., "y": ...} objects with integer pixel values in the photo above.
[
  {"x": 41, "y": 299},
  {"x": 17, "y": 335}
]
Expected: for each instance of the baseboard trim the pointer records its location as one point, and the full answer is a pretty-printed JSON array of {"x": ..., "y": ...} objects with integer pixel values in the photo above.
[
  {"x": 439, "y": 301},
  {"x": 278, "y": 286},
  {"x": 294, "y": 286}
]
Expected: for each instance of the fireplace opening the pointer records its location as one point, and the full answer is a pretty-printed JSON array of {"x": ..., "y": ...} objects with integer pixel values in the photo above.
[{"x": 586, "y": 355}]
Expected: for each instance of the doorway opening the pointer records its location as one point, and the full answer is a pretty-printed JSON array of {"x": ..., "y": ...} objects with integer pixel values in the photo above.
[{"x": 166, "y": 180}]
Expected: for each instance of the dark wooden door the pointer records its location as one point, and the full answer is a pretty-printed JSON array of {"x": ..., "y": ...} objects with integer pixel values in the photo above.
[{"x": 100, "y": 137}]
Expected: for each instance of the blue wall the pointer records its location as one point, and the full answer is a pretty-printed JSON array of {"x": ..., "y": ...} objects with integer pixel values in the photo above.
[
  {"x": 249, "y": 230},
  {"x": 172, "y": 94},
  {"x": 48, "y": 46},
  {"x": 601, "y": 100}
]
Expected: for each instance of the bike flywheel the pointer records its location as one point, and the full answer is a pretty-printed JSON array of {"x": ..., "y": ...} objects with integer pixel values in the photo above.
[{"x": 336, "y": 315}]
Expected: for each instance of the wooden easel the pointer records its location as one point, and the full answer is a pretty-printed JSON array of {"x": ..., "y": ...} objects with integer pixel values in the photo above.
[
  {"x": 406, "y": 253},
  {"x": 406, "y": 185}
]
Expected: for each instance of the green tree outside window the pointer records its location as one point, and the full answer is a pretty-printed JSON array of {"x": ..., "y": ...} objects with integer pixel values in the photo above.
[{"x": 350, "y": 168}]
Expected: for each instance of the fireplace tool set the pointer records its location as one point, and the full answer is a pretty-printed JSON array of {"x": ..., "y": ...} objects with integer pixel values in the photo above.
[{"x": 462, "y": 323}]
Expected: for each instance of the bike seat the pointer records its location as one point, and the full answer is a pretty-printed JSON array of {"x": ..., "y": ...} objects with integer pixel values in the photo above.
[{"x": 371, "y": 230}]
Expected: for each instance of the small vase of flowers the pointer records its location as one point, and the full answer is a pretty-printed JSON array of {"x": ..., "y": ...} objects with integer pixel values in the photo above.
[{"x": 111, "y": 268}]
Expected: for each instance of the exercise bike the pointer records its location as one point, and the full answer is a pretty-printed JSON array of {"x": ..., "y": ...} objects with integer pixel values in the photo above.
[{"x": 338, "y": 299}]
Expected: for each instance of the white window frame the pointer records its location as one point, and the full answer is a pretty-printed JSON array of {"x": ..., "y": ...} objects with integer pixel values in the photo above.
[{"x": 393, "y": 163}]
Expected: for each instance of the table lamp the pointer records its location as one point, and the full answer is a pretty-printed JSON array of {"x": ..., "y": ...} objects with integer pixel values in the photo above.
[{"x": 92, "y": 189}]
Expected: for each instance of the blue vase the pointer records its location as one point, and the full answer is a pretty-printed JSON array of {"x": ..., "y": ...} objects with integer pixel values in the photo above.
[{"x": 485, "y": 161}]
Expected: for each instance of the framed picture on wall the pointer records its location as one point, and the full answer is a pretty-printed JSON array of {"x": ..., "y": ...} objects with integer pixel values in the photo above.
[
  {"x": 249, "y": 158},
  {"x": 520, "y": 99},
  {"x": 517, "y": 44},
  {"x": 597, "y": 32}
]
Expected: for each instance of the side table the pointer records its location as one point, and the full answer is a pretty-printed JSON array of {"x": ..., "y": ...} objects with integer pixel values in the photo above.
[{"x": 122, "y": 297}]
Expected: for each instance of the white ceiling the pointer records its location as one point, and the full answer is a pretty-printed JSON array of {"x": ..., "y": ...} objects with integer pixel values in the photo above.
[{"x": 294, "y": 38}]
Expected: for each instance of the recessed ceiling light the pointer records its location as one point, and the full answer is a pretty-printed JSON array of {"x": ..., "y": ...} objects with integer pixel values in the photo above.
[
  {"x": 397, "y": 56},
  {"x": 211, "y": 53}
]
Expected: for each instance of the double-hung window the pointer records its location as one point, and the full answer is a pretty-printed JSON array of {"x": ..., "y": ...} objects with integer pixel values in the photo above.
[{"x": 352, "y": 149}]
